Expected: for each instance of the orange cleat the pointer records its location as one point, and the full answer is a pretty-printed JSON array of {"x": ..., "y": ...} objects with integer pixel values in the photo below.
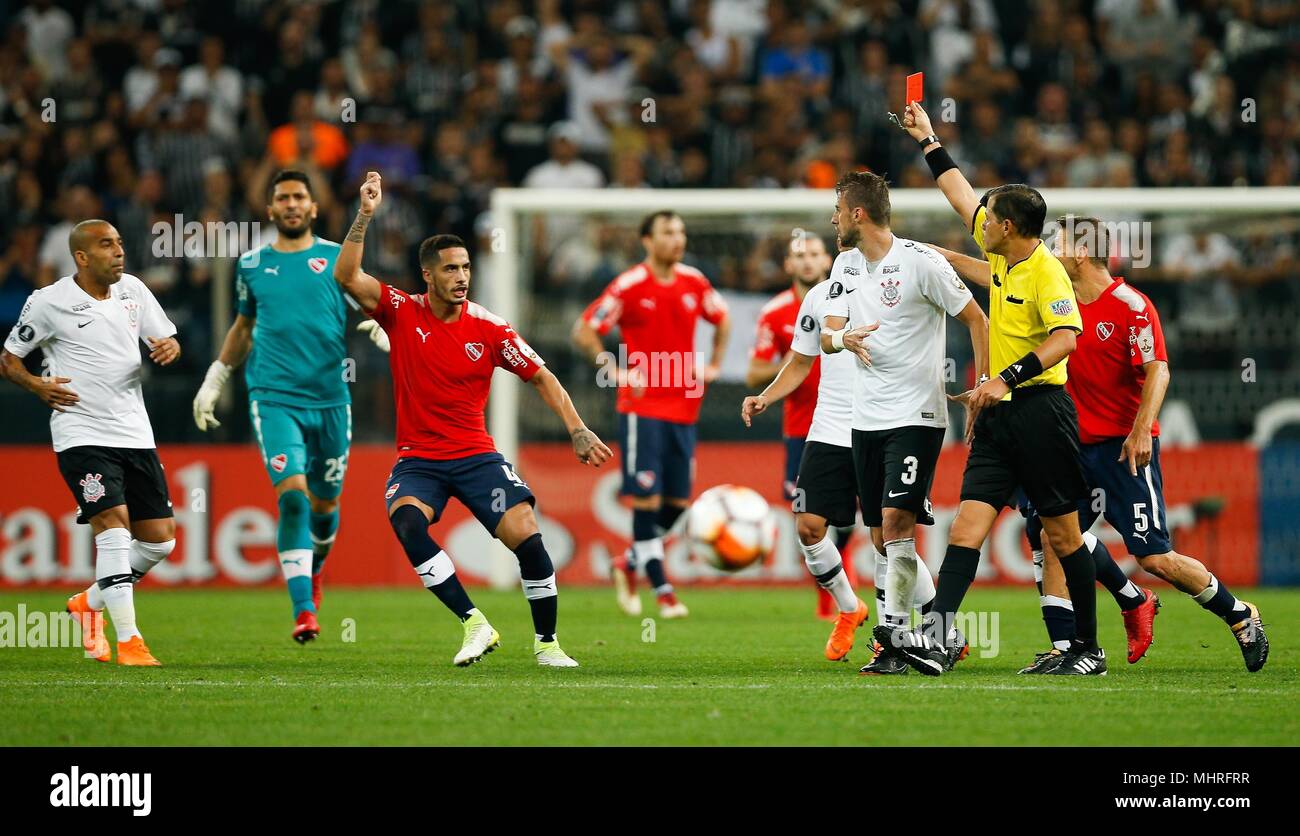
[
  {"x": 846, "y": 624},
  {"x": 92, "y": 628},
  {"x": 1138, "y": 624},
  {"x": 306, "y": 628},
  {"x": 133, "y": 652},
  {"x": 316, "y": 591}
]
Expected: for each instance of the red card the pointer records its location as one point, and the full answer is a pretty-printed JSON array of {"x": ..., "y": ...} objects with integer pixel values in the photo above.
[{"x": 915, "y": 85}]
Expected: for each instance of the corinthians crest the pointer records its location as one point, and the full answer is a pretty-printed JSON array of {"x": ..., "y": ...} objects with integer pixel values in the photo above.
[
  {"x": 889, "y": 293},
  {"x": 92, "y": 487}
]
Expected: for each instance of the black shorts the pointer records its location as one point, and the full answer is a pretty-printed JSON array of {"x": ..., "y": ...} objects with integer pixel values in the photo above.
[
  {"x": 895, "y": 469},
  {"x": 825, "y": 486},
  {"x": 1031, "y": 441},
  {"x": 105, "y": 477}
]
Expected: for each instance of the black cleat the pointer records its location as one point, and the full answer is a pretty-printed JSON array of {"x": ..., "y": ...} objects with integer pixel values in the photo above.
[
  {"x": 920, "y": 652},
  {"x": 1250, "y": 635},
  {"x": 883, "y": 663},
  {"x": 958, "y": 648},
  {"x": 1043, "y": 662},
  {"x": 1080, "y": 663}
]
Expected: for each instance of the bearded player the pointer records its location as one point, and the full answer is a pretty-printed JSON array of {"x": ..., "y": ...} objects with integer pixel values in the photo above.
[
  {"x": 1118, "y": 378},
  {"x": 806, "y": 264},
  {"x": 290, "y": 326},
  {"x": 655, "y": 305},
  {"x": 444, "y": 350}
]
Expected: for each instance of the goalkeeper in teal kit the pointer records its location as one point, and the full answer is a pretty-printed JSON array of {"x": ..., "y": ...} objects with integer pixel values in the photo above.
[{"x": 291, "y": 326}]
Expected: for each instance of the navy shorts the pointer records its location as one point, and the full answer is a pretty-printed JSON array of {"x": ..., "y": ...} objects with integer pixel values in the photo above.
[
  {"x": 793, "y": 456},
  {"x": 1134, "y": 505},
  {"x": 658, "y": 456},
  {"x": 485, "y": 483}
]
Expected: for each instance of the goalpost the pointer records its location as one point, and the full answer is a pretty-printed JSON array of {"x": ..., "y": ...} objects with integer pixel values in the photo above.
[{"x": 1155, "y": 214}]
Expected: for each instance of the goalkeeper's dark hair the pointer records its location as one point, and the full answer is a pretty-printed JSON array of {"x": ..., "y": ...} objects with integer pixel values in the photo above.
[
  {"x": 648, "y": 222},
  {"x": 1022, "y": 205},
  {"x": 1087, "y": 231},
  {"x": 867, "y": 190},
  {"x": 431, "y": 247},
  {"x": 285, "y": 176}
]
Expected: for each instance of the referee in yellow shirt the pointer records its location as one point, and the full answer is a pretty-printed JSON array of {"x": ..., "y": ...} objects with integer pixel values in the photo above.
[{"x": 1021, "y": 422}]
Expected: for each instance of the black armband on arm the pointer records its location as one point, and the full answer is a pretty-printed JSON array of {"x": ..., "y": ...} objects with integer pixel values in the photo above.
[
  {"x": 1026, "y": 368},
  {"x": 939, "y": 161}
]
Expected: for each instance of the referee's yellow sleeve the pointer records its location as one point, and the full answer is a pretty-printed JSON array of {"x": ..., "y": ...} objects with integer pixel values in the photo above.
[
  {"x": 1056, "y": 303},
  {"x": 977, "y": 228}
]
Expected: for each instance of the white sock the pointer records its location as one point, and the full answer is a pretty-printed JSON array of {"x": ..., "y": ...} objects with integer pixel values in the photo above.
[
  {"x": 882, "y": 569},
  {"x": 113, "y": 564},
  {"x": 827, "y": 566},
  {"x": 900, "y": 580},
  {"x": 145, "y": 556},
  {"x": 1039, "y": 557},
  {"x": 94, "y": 598},
  {"x": 924, "y": 583}
]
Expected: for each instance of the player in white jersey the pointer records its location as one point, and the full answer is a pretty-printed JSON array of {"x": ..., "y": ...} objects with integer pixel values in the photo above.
[
  {"x": 87, "y": 326},
  {"x": 899, "y": 294},
  {"x": 825, "y": 492}
]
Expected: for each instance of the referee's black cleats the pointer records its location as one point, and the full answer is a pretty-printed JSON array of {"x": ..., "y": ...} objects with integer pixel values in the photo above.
[
  {"x": 1080, "y": 663},
  {"x": 1250, "y": 636},
  {"x": 920, "y": 652},
  {"x": 883, "y": 663},
  {"x": 1043, "y": 662}
]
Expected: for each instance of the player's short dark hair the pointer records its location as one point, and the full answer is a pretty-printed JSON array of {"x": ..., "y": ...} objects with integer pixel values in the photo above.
[
  {"x": 1022, "y": 205},
  {"x": 1086, "y": 230},
  {"x": 870, "y": 191},
  {"x": 287, "y": 175},
  {"x": 648, "y": 222},
  {"x": 434, "y": 244}
]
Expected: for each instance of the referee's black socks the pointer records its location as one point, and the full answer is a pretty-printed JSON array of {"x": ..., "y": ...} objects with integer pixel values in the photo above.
[
  {"x": 1081, "y": 579},
  {"x": 955, "y": 577}
]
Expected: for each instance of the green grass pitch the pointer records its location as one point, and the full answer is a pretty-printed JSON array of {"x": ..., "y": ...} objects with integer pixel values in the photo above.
[{"x": 745, "y": 669}]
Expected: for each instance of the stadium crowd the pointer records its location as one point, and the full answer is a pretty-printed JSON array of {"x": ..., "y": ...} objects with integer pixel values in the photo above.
[{"x": 143, "y": 110}]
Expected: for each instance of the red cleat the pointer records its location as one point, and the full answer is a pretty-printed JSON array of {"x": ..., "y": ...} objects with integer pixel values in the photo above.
[
  {"x": 1138, "y": 623},
  {"x": 307, "y": 628},
  {"x": 315, "y": 590}
]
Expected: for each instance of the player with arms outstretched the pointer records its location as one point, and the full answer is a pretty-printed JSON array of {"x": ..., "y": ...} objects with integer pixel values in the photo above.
[
  {"x": 655, "y": 306},
  {"x": 89, "y": 326},
  {"x": 290, "y": 326},
  {"x": 444, "y": 350},
  {"x": 806, "y": 265}
]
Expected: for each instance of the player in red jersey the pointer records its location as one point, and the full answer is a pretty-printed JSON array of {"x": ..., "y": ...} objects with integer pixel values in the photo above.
[
  {"x": 661, "y": 381},
  {"x": 1118, "y": 378},
  {"x": 444, "y": 350},
  {"x": 807, "y": 263}
]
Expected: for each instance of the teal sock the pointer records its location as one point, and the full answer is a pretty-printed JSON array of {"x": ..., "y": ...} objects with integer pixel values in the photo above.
[
  {"x": 293, "y": 541},
  {"x": 323, "y": 529}
]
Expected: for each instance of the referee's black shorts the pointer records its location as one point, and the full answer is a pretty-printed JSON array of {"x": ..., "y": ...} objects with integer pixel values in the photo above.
[{"x": 1031, "y": 441}]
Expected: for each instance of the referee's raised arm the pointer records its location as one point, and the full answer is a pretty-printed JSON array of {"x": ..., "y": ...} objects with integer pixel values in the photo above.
[{"x": 947, "y": 175}]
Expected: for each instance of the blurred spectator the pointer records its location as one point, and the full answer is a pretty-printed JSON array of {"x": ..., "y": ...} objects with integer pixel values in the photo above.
[
  {"x": 307, "y": 138},
  {"x": 49, "y": 29},
  {"x": 221, "y": 85},
  {"x": 564, "y": 169},
  {"x": 598, "y": 79},
  {"x": 55, "y": 260}
]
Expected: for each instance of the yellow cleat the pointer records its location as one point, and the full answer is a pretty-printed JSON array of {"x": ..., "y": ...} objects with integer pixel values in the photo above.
[
  {"x": 133, "y": 652},
  {"x": 846, "y": 624},
  {"x": 92, "y": 628}
]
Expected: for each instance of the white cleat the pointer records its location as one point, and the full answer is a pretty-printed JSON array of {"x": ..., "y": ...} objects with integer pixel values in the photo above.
[
  {"x": 676, "y": 609},
  {"x": 480, "y": 639},
  {"x": 550, "y": 655},
  {"x": 624, "y": 590}
]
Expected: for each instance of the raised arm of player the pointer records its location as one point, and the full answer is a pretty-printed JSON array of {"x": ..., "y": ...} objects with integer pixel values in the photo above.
[
  {"x": 347, "y": 268},
  {"x": 1137, "y": 447},
  {"x": 790, "y": 377},
  {"x": 952, "y": 182},
  {"x": 973, "y": 270},
  {"x": 586, "y": 445}
]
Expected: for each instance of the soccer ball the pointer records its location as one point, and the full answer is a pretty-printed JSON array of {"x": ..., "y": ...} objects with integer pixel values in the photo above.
[{"x": 730, "y": 527}]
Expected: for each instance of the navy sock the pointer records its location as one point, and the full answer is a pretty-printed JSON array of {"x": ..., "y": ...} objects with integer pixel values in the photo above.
[
  {"x": 1081, "y": 580},
  {"x": 537, "y": 574},
  {"x": 1113, "y": 578},
  {"x": 429, "y": 560},
  {"x": 645, "y": 526},
  {"x": 1060, "y": 623},
  {"x": 1224, "y": 604},
  {"x": 955, "y": 577},
  {"x": 667, "y": 517}
]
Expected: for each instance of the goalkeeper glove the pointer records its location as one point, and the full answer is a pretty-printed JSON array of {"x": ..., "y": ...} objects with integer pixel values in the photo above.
[
  {"x": 206, "y": 400},
  {"x": 377, "y": 334}
]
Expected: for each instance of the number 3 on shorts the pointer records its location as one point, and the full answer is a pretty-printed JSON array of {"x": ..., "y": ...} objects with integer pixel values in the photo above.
[{"x": 909, "y": 476}]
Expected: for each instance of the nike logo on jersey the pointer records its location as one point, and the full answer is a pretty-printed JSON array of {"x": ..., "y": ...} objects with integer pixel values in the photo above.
[
  {"x": 850, "y": 290},
  {"x": 84, "y": 324},
  {"x": 892, "y": 494},
  {"x": 274, "y": 271}
]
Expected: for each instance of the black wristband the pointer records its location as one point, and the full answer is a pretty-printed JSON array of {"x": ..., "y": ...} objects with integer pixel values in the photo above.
[
  {"x": 929, "y": 139},
  {"x": 939, "y": 161},
  {"x": 1026, "y": 368}
]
